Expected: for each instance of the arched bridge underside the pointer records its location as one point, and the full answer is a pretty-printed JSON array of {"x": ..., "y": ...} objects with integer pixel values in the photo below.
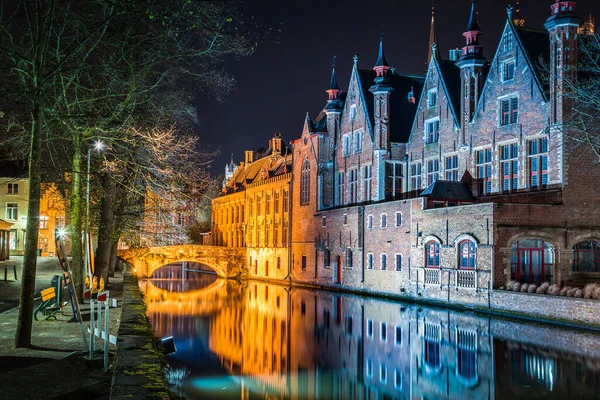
[{"x": 226, "y": 262}]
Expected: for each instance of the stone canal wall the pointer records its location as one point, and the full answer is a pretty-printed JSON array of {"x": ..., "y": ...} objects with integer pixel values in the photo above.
[{"x": 140, "y": 362}]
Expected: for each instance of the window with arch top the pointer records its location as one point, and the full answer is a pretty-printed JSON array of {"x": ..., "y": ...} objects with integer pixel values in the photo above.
[
  {"x": 432, "y": 254},
  {"x": 466, "y": 254},
  {"x": 305, "y": 183}
]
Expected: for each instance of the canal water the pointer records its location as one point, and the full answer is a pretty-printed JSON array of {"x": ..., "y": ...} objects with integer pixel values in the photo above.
[{"x": 254, "y": 340}]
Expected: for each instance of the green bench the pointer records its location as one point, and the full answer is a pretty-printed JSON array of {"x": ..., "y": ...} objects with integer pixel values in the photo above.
[{"x": 51, "y": 302}]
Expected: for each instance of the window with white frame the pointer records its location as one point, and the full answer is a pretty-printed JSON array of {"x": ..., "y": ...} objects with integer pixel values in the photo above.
[
  {"x": 398, "y": 218},
  {"x": 451, "y": 169},
  {"x": 369, "y": 328},
  {"x": 415, "y": 176},
  {"x": 357, "y": 139},
  {"x": 432, "y": 132},
  {"x": 383, "y": 261},
  {"x": 398, "y": 262},
  {"x": 537, "y": 160},
  {"x": 383, "y": 332},
  {"x": 509, "y": 110},
  {"x": 383, "y": 221},
  {"x": 369, "y": 222},
  {"x": 433, "y": 171},
  {"x": 394, "y": 174},
  {"x": 367, "y": 179},
  {"x": 44, "y": 222},
  {"x": 509, "y": 165},
  {"x": 432, "y": 98},
  {"x": 397, "y": 379},
  {"x": 383, "y": 373},
  {"x": 340, "y": 188},
  {"x": 353, "y": 112},
  {"x": 507, "y": 41},
  {"x": 508, "y": 70},
  {"x": 12, "y": 211},
  {"x": 352, "y": 185},
  {"x": 370, "y": 261},
  {"x": 369, "y": 369},
  {"x": 346, "y": 142},
  {"x": 483, "y": 165},
  {"x": 13, "y": 188}
]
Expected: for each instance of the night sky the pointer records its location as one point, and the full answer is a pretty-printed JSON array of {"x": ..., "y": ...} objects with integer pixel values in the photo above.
[{"x": 283, "y": 80}]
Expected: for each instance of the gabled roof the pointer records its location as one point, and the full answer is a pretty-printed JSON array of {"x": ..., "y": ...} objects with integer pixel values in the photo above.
[
  {"x": 448, "y": 190},
  {"x": 451, "y": 80},
  {"x": 535, "y": 44}
]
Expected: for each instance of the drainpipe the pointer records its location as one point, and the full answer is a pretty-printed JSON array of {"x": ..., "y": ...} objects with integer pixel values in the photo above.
[{"x": 362, "y": 242}]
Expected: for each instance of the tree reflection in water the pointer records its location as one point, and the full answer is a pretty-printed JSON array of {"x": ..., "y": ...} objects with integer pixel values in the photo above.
[{"x": 255, "y": 340}]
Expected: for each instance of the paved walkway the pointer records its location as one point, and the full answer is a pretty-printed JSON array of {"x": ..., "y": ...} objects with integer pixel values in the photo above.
[{"x": 56, "y": 365}]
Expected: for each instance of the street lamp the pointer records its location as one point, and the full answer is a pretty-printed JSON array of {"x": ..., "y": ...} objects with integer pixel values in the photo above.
[{"x": 98, "y": 146}]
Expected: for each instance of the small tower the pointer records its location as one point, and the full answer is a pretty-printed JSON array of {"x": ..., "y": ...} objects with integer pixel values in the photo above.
[
  {"x": 432, "y": 34},
  {"x": 230, "y": 170},
  {"x": 588, "y": 27},
  {"x": 381, "y": 91},
  {"x": 562, "y": 25},
  {"x": 471, "y": 64}
]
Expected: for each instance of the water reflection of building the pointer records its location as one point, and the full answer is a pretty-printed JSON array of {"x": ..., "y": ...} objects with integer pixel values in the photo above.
[{"x": 282, "y": 342}]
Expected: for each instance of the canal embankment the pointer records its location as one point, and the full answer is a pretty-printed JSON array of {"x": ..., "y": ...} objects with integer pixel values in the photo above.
[{"x": 139, "y": 371}]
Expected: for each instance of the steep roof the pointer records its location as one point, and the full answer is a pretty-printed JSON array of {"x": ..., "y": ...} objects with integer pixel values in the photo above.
[
  {"x": 536, "y": 44},
  {"x": 451, "y": 76}
]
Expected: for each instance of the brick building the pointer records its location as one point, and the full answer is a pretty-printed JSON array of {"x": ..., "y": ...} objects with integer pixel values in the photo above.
[
  {"x": 254, "y": 211},
  {"x": 447, "y": 185}
]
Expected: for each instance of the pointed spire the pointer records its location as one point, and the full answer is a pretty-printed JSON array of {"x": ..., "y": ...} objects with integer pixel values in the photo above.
[
  {"x": 473, "y": 25},
  {"x": 333, "y": 88},
  {"x": 432, "y": 33},
  {"x": 381, "y": 66}
]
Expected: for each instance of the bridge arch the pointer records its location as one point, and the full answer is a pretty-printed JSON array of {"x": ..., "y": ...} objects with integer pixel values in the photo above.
[{"x": 227, "y": 262}]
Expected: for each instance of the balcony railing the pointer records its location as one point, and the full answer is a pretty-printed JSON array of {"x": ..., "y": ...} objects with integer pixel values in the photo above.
[
  {"x": 466, "y": 279},
  {"x": 432, "y": 276}
]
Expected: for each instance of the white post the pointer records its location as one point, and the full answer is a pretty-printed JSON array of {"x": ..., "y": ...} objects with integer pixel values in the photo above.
[
  {"x": 99, "y": 319},
  {"x": 106, "y": 334},
  {"x": 91, "y": 327}
]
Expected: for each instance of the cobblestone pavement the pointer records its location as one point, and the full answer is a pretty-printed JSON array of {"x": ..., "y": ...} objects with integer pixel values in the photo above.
[{"x": 56, "y": 366}]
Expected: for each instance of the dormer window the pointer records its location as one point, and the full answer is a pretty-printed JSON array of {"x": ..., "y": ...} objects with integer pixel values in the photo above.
[
  {"x": 432, "y": 98},
  {"x": 508, "y": 70}
]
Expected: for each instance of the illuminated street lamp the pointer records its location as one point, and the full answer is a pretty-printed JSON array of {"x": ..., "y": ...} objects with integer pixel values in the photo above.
[{"x": 98, "y": 146}]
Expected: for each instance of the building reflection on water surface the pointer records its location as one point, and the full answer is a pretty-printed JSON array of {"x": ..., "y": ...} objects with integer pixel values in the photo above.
[{"x": 255, "y": 340}]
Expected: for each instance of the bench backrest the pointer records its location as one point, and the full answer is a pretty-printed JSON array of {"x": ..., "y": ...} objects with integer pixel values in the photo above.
[{"x": 48, "y": 294}]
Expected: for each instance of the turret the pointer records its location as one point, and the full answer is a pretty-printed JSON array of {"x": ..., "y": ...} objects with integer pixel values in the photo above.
[
  {"x": 562, "y": 25},
  {"x": 381, "y": 91},
  {"x": 471, "y": 64}
]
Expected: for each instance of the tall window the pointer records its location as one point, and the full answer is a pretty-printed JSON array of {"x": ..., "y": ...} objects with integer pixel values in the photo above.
[
  {"x": 59, "y": 222},
  {"x": 367, "y": 179},
  {"x": 305, "y": 183},
  {"x": 357, "y": 139},
  {"x": 466, "y": 254},
  {"x": 432, "y": 98},
  {"x": 370, "y": 261},
  {"x": 352, "y": 111},
  {"x": 431, "y": 346},
  {"x": 537, "y": 159},
  {"x": 12, "y": 211},
  {"x": 352, "y": 185},
  {"x": 303, "y": 262},
  {"x": 415, "y": 176},
  {"x": 346, "y": 139},
  {"x": 327, "y": 257},
  {"x": 258, "y": 205},
  {"x": 268, "y": 238},
  {"x": 509, "y": 165},
  {"x": 276, "y": 241},
  {"x": 532, "y": 261},
  {"x": 398, "y": 218},
  {"x": 509, "y": 111},
  {"x": 43, "y": 222},
  {"x": 432, "y": 254},
  {"x": 284, "y": 234},
  {"x": 508, "y": 70},
  {"x": 370, "y": 222},
  {"x": 393, "y": 179},
  {"x": 340, "y": 188},
  {"x": 268, "y": 204},
  {"x": 432, "y": 135},
  {"x": 398, "y": 262},
  {"x": 13, "y": 188},
  {"x": 507, "y": 41},
  {"x": 383, "y": 261},
  {"x": 452, "y": 168},
  {"x": 433, "y": 171},
  {"x": 348, "y": 257},
  {"x": 483, "y": 163},
  {"x": 383, "y": 221},
  {"x": 286, "y": 200},
  {"x": 586, "y": 257},
  {"x": 277, "y": 202}
]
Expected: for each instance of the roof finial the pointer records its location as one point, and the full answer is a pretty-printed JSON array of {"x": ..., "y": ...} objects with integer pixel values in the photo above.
[
  {"x": 355, "y": 58},
  {"x": 509, "y": 11},
  {"x": 333, "y": 88},
  {"x": 473, "y": 23},
  {"x": 381, "y": 61},
  {"x": 432, "y": 33}
]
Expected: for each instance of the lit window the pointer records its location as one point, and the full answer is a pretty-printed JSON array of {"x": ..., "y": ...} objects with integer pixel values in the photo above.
[
  {"x": 432, "y": 254},
  {"x": 537, "y": 158},
  {"x": 43, "y": 222},
  {"x": 509, "y": 111},
  {"x": 509, "y": 165},
  {"x": 466, "y": 254},
  {"x": 452, "y": 168},
  {"x": 305, "y": 183}
]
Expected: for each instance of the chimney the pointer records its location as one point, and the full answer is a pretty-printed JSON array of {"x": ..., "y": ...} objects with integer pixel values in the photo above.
[
  {"x": 249, "y": 157},
  {"x": 260, "y": 152},
  {"x": 275, "y": 144}
]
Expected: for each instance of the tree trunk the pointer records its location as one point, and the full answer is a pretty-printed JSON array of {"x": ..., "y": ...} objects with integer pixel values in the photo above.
[
  {"x": 106, "y": 228},
  {"x": 77, "y": 267},
  {"x": 25, "y": 318},
  {"x": 113, "y": 258}
]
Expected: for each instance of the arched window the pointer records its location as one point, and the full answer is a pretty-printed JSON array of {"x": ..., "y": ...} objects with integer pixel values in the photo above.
[
  {"x": 586, "y": 257},
  {"x": 466, "y": 254},
  {"x": 305, "y": 183},
  {"x": 432, "y": 254},
  {"x": 531, "y": 261}
]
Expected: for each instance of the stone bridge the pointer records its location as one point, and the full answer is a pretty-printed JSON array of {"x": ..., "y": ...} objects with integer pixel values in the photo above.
[{"x": 227, "y": 262}]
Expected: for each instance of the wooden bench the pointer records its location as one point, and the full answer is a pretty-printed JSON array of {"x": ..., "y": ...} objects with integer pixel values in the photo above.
[{"x": 49, "y": 306}]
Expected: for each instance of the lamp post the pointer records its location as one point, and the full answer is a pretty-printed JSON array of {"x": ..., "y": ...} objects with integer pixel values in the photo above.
[{"x": 98, "y": 146}]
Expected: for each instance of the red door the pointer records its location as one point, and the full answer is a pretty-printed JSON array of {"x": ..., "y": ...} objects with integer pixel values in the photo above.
[{"x": 339, "y": 269}]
